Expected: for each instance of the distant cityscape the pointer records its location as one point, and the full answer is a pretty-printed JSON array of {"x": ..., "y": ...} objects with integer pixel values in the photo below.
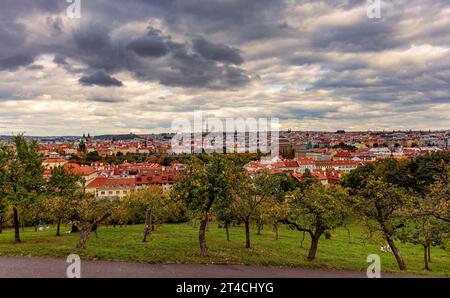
[{"x": 327, "y": 155}]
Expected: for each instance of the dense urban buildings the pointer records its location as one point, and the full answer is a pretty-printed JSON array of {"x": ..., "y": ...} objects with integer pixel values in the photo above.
[{"x": 327, "y": 155}]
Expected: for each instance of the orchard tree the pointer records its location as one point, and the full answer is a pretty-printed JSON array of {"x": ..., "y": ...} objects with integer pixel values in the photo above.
[
  {"x": 22, "y": 181},
  {"x": 314, "y": 209},
  {"x": 34, "y": 212},
  {"x": 91, "y": 213},
  {"x": 147, "y": 204},
  {"x": 428, "y": 223},
  {"x": 273, "y": 212},
  {"x": 251, "y": 192},
  {"x": 401, "y": 194},
  {"x": 226, "y": 215},
  {"x": 388, "y": 205},
  {"x": 4, "y": 157},
  {"x": 426, "y": 231},
  {"x": 435, "y": 201},
  {"x": 208, "y": 181},
  {"x": 63, "y": 187},
  {"x": 2, "y": 216}
]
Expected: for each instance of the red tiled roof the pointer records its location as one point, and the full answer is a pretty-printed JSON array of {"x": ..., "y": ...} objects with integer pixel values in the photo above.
[
  {"x": 279, "y": 164},
  {"x": 320, "y": 175},
  {"x": 344, "y": 162},
  {"x": 80, "y": 170},
  {"x": 317, "y": 175},
  {"x": 343, "y": 154},
  {"x": 290, "y": 164},
  {"x": 305, "y": 161},
  {"x": 54, "y": 160},
  {"x": 112, "y": 183}
]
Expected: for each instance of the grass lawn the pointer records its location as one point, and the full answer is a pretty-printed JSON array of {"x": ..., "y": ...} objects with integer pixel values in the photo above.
[{"x": 178, "y": 243}]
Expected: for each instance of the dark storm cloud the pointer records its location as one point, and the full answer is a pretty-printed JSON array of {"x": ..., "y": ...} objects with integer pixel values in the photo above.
[
  {"x": 223, "y": 45},
  {"x": 35, "y": 67},
  {"x": 14, "y": 61},
  {"x": 197, "y": 62},
  {"x": 100, "y": 78},
  {"x": 13, "y": 50},
  {"x": 102, "y": 99},
  {"x": 361, "y": 36},
  {"x": 217, "y": 52},
  {"x": 60, "y": 59},
  {"x": 148, "y": 47}
]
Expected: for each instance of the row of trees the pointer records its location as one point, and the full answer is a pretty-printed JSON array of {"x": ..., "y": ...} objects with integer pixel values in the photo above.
[
  {"x": 400, "y": 200},
  {"x": 31, "y": 199},
  {"x": 407, "y": 200},
  {"x": 215, "y": 185}
]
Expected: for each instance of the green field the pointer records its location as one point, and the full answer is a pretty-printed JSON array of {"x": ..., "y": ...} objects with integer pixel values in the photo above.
[{"x": 178, "y": 243}]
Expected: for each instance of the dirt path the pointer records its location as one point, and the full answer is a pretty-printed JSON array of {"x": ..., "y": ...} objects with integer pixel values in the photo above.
[{"x": 56, "y": 268}]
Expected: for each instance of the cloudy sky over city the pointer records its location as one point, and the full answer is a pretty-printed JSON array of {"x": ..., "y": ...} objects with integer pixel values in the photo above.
[{"x": 134, "y": 66}]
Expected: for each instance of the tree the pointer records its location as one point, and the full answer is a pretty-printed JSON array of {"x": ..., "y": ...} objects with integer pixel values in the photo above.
[
  {"x": 251, "y": 193},
  {"x": 93, "y": 157},
  {"x": 4, "y": 158},
  {"x": 400, "y": 195},
  {"x": 208, "y": 181},
  {"x": 385, "y": 203},
  {"x": 437, "y": 201},
  {"x": 314, "y": 209},
  {"x": 426, "y": 231},
  {"x": 63, "y": 187},
  {"x": 147, "y": 204},
  {"x": 431, "y": 183},
  {"x": 226, "y": 215},
  {"x": 2, "y": 215},
  {"x": 23, "y": 179},
  {"x": 272, "y": 212},
  {"x": 428, "y": 221},
  {"x": 92, "y": 212}
]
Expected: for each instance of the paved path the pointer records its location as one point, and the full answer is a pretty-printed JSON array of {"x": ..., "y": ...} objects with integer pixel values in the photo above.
[{"x": 49, "y": 267}]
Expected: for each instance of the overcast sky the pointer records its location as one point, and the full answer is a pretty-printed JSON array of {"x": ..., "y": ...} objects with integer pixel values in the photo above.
[{"x": 136, "y": 65}]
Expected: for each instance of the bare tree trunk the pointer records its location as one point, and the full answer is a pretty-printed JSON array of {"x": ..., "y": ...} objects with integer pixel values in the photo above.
[
  {"x": 58, "y": 227},
  {"x": 429, "y": 253},
  {"x": 88, "y": 229},
  {"x": 425, "y": 257},
  {"x": 349, "y": 235},
  {"x": 148, "y": 223},
  {"x": 1, "y": 224},
  {"x": 228, "y": 234},
  {"x": 201, "y": 236},
  {"x": 275, "y": 228},
  {"x": 247, "y": 233},
  {"x": 303, "y": 239},
  {"x": 260, "y": 227},
  {"x": 313, "y": 248},
  {"x": 396, "y": 252},
  {"x": 16, "y": 225}
]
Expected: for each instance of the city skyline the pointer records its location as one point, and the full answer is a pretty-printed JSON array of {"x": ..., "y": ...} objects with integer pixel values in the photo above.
[
  {"x": 137, "y": 66},
  {"x": 95, "y": 135}
]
